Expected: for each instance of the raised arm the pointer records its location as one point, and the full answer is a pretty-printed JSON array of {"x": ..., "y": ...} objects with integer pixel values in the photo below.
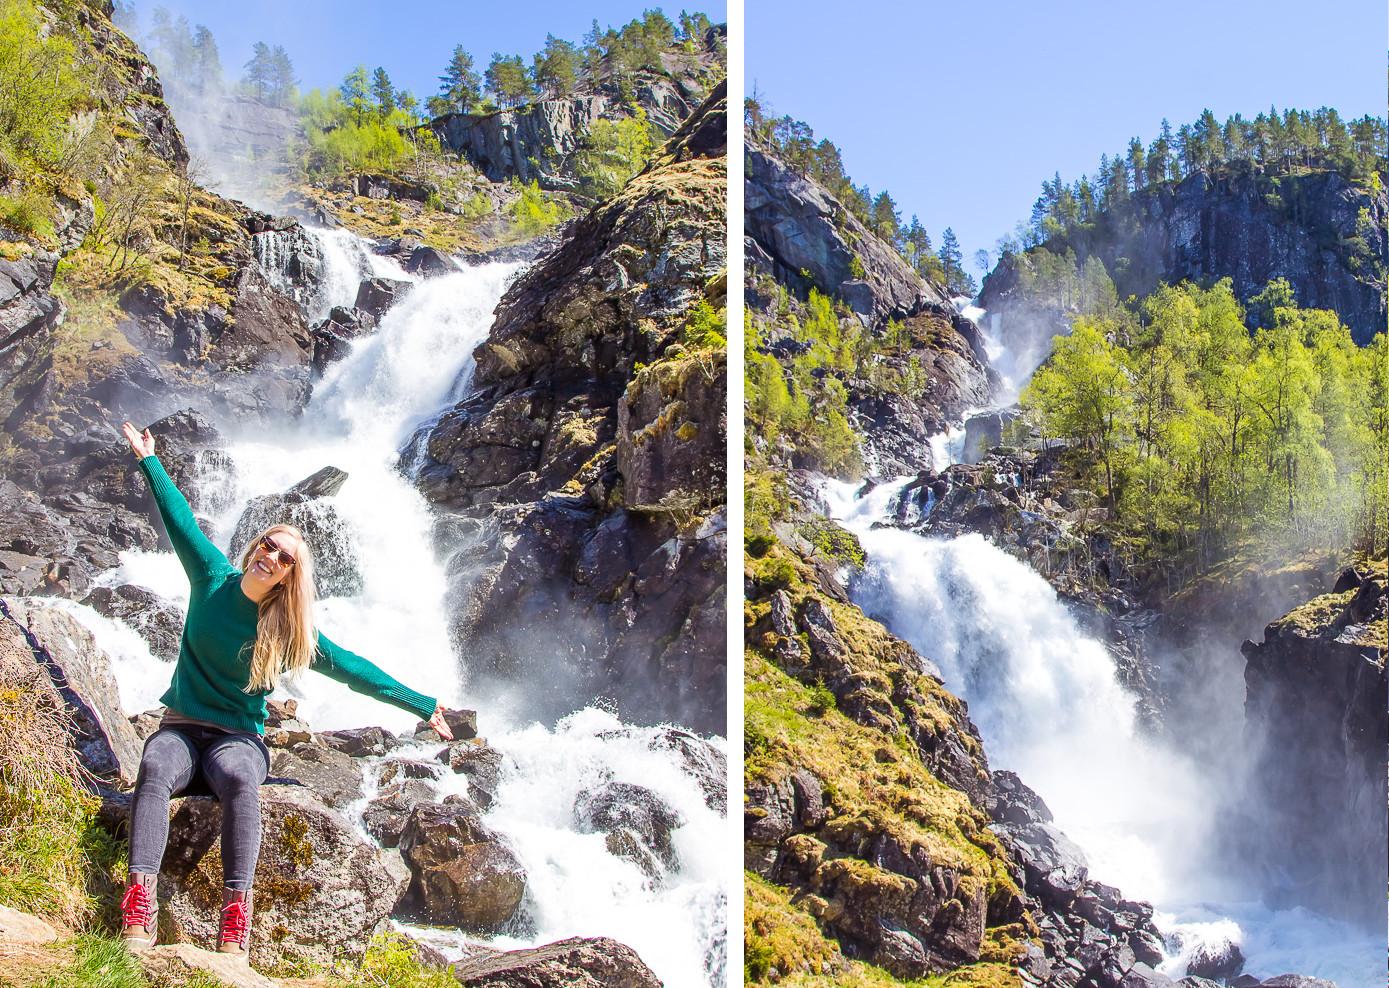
[
  {"x": 200, "y": 558},
  {"x": 358, "y": 674}
]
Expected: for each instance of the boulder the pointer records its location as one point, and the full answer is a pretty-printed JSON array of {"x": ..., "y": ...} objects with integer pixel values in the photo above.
[
  {"x": 21, "y": 927},
  {"x": 333, "y": 337},
  {"x": 1219, "y": 961},
  {"x": 158, "y": 621},
  {"x": 481, "y": 764},
  {"x": 573, "y": 963},
  {"x": 334, "y": 777},
  {"x": 462, "y": 723},
  {"x": 179, "y": 963},
  {"x": 429, "y": 262},
  {"x": 703, "y": 761},
  {"x": 376, "y": 295},
  {"x": 337, "y": 569},
  {"x": 37, "y": 637},
  {"x": 320, "y": 888},
  {"x": 360, "y": 741},
  {"x": 386, "y": 815},
  {"x": 464, "y": 874},
  {"x": 637, "y": 822}
]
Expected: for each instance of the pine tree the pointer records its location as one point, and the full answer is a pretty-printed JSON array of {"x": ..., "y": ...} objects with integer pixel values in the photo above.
[
  {"x": 952, "y": 260},
  {"x": 508, "y": 80},
  {"x": 282, "y": 81},
  {"x": 260, "y": 71},
  {"x": 383, "y": 92},
  {"x": 556, "y": 67},
  {"x": 207, "y": 62},
  {"x": 459, "y": 87}
]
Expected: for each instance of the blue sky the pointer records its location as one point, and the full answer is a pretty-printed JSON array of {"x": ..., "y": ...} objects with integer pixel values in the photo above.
[
  {"x": 411, "y": 40},
  {"x": 961, "y": 109}
]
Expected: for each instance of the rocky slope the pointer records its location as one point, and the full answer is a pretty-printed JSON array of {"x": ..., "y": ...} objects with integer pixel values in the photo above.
[
  {"x": 537, "y": 141},
  {"x": 873, "y": 829},
  {"x": 588, "y": 459},
  {"x": 800, "y": 238},
  {"x": 1325, "y": 235}
]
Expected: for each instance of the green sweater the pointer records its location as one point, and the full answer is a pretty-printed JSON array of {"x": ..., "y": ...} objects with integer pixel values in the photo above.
[{"x": 212, "y": 670}]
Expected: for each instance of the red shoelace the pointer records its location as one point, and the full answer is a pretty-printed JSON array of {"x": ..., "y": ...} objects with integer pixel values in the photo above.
[
  {"x": 234, "y": 924},
  {"x": 135, "y": 906}
]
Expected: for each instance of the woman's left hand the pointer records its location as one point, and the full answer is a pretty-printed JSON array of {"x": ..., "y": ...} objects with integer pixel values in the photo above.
[{"x": 440, "y": 727}]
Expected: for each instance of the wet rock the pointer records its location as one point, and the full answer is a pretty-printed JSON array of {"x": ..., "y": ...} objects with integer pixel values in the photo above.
[
  {"x": 394, "y": 770},
  {"x": 573, "y": 963},
  {"x": 637, "y": 822},
  {"x": 429, "y": 262},
  {"x": 1055, "y": 866},
  {"x": 333, "y": 337},
  {"x": 334, "y": 777},
  {"x": 158, "y": 621},
  {"x": 462, "y": 723},
  {"x": 42, "y": 644},
  {"x": 376, "y": 295},
  {"x": 360, "y": 741},
  {"x": 337, "y": 568},
  {"x": 1217, "y": 961},
  {"x": 319, "y": 887},
  {"x": 700, "y": 759},
  {"x": 480, "y": 764},
  {"x": 464, "y": 874},
  {"x": 385, "y": 816}
]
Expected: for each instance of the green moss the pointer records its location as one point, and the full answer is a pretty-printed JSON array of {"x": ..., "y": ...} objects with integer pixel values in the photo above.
[
  {"x": 294, "y": 839},
  {"x": 833, "y": 541}
]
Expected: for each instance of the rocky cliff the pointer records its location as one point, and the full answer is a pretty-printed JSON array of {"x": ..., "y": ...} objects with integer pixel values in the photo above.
[
  {"x": 799, "y": 238},
  {"x": 538, "y": 141},
  {"x": 1315, "y": 713},
  {"x": 1318, "y": 230},
  {"x": 588, "y": 461}
]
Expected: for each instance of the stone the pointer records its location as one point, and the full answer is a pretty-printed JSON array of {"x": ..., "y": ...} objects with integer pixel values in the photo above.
[
  {"x": 1217, "y": 961},
  {"x": 320, "y": 888},
  {"x": 334, "y": 777},
  {"x": 21, "y": 927},
  {"x": 480, "y": 764},
  {"x": 39, "y": 641},
  {"x": 175, "y": 963},
  {"x": 463, "y": 724},
  {"x": 700, "y": 759},
  {"x": 337, "y": 568},
  {"x": 386, "y": 815},
  {"x": 574, "y": 963},
  {"x": 360, "y": 741},
  {"x": 638, "y": 823},
  {"x": 464, "y": 874},
  {"x": 376, "y": 295},
  {"x": 429, "y": 262},
  {"x": 158, "y": 621}
]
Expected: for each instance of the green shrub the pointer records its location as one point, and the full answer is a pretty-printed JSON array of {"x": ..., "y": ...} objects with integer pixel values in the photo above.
[
  {"x": 613, "y": 152},
  {"x": 27, "y": 214},
  {"x": 822, "y": 699},
  {"x": 532, "y": 214}
]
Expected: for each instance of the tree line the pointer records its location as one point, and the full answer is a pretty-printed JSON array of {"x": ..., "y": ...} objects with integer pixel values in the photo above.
[
  {"x": 795, "y": 143},
  {"x": 1210, "y": 427},
  {"x": 1274, "y": 143}
]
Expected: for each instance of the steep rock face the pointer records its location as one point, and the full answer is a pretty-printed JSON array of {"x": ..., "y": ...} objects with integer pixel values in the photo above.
[
  {"x": 799, "y": 236},
  {"x": 593, "y": 486},
  {"x": 538, "y": 141},
  {"x": 1315, "y": 707},
  {"x": 1229, "y": 224}
]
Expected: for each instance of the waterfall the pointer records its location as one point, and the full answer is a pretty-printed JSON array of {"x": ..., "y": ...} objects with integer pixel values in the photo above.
[
  {"x": 365, "y": 407},
  {"x": 1047, "y": 702},
  {"x": 320, "y": 268}
]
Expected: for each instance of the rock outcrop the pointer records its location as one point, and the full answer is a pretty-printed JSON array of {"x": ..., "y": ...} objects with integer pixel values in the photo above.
[
  {"x": 585, "y": 491},
  {"x": 1231, "y": 223},
  {"x": 1314, "y": 711},
  {"x": 800, "y": 237},
  {"x": 573, "y": 963},
  {"x": 538, "y": 141}
]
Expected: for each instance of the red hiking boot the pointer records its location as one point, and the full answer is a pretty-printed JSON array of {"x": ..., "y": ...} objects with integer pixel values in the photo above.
[
  {"x": 234, "y": 934},
  {"x": 138, "y": 912}
]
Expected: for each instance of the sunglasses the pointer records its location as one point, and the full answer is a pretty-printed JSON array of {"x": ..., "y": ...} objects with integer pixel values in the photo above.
[{"x": 274, "y": 552}]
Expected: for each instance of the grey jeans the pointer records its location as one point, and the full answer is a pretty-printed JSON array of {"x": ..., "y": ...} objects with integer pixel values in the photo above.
[{"x": 233, "y": 767}]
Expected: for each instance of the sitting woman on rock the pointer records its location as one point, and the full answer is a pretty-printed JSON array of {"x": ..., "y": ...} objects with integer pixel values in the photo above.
[{"x": 246, "y": 628}]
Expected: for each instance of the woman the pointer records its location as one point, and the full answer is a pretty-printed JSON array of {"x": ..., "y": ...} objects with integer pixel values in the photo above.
[{"x": 245, "y": 629}]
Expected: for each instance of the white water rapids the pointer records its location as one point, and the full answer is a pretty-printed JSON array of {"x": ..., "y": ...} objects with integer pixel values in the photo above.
[
  {"x": 1046, "y": 699},
  {"x": 362, "y": 411}
]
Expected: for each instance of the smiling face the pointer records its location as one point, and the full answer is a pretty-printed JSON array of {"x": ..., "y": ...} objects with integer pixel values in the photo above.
[{"x": 268, "y": 567}]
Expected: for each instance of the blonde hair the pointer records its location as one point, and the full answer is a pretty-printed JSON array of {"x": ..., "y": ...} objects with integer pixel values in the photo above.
[{"x": 285, "y": 635}]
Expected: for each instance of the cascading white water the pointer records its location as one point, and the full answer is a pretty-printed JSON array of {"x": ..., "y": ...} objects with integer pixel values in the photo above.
[
  {"x": 1046, "y": 700},
  {"x": 360, "y": 414}
]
